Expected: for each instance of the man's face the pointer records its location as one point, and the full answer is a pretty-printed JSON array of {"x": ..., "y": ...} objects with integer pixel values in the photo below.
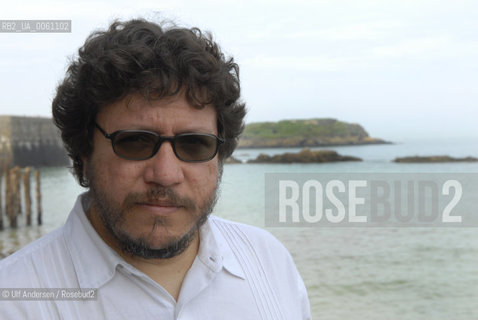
[{"x": 151, "y": 208}]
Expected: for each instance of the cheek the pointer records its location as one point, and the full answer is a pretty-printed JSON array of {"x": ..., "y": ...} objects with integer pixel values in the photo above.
[
  {"x": 211, "y": 178},
  {"x": 115, "y": 177},
  {"x": 204, "y": 179}
]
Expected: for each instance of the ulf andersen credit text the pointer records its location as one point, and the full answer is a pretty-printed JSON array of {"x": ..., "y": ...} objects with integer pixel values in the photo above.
[{"x": 47, "y": 294}]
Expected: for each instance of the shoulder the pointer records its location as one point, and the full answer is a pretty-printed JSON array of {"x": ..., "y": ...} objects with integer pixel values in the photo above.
[
  {"x": 268, "y": 264},
  {"x": 28, "y": 266},
  {"x": 258, "y": 238}
]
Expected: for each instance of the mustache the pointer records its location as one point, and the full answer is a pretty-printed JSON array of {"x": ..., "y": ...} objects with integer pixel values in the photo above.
[{"x": 160, "y": 194}]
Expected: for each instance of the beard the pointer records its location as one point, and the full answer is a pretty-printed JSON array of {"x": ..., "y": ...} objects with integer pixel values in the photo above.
[{"x": 113, "y": 216}]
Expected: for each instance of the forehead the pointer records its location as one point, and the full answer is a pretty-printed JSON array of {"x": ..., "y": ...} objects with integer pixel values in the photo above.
[{"x": 165, "y": 114}]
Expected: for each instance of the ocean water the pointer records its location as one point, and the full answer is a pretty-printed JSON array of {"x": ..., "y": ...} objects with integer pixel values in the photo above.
[{"x": 350, "y": 273}]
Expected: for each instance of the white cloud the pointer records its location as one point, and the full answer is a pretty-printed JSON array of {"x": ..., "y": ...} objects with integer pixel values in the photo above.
[
  {"x": 427, "y": 48},
  {"x": 307, "y": 63},
  {"x": 412, "y": 47},
  {"x": 361, "y": 31},
  {"x": 362, "y": 55}
]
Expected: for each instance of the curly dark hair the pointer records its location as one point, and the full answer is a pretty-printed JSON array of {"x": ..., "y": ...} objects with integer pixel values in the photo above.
[{"x": 139, "y": 56}]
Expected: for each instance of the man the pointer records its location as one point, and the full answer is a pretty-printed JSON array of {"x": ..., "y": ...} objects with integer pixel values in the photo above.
[{"x": 148, "y": 116}]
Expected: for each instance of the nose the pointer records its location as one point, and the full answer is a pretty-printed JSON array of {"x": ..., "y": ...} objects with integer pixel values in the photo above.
[{"x": 164, "y": 168}]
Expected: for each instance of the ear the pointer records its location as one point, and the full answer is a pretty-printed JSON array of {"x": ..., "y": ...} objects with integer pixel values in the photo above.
[{"x": 84, "y": 161}]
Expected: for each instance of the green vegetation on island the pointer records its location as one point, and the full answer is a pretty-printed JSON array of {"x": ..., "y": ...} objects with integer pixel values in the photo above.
[
  {"x": 304, "y": 156},
  {"x": 304, "y": 133},
  {"x": 434, "y": 159}
]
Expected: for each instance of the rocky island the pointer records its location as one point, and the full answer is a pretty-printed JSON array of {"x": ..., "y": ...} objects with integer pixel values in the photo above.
[
  {"x": 304, "y": 156},
  {"x": 304, "y": 133},
  {"x": 433, "y": 159}
]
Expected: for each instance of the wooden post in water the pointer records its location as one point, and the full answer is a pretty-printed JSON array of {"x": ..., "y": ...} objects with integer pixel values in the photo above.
[
  {"x": 38, "y": 194},
  {"x": 1, "y": 206},
  {"x": 26, "y": 192},
  {"x": 17, "y": 191},
  {"x": 13, "y": 195},
  {"x": 6, "y": 174},
  {"x": 8, "y": 195}
]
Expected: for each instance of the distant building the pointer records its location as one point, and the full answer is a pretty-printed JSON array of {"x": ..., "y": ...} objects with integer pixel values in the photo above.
[{"x": 30, "y": 141}]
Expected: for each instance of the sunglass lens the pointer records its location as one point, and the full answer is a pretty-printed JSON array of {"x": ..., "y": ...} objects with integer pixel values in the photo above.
[
  {"x": 195, "y": 147},
  {"x": 135, "y": 145}
]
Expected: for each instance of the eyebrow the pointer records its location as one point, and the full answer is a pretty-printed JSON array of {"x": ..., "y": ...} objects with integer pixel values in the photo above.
[{"x": 187, "y": 130}]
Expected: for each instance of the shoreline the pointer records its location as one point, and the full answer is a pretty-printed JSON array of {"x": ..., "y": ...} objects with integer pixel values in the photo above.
[{"x": 347, "y": 144}]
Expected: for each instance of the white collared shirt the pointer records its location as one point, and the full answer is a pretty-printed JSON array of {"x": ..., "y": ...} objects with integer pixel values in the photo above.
[{"x": 240, "y": 272}]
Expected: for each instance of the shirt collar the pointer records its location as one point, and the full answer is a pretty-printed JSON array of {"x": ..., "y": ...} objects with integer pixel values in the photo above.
[
  {"x": 214, "y": 250},
  {"x": 95, "y": 262}
]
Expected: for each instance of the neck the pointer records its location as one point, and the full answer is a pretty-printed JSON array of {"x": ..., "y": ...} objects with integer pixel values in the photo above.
[{"x": 169, "y": 273}]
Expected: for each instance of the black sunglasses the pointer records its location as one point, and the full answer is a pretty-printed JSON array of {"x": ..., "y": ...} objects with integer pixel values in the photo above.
[{"x": 142, "y": 144}]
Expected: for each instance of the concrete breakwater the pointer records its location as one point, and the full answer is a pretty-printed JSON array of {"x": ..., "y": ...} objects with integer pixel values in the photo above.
[{"x": 30, "y": 141}]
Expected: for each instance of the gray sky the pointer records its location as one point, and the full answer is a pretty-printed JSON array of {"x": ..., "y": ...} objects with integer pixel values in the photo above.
[{"x": 402, "y": 69}]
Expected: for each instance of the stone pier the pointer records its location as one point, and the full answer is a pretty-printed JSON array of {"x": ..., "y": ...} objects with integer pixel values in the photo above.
[{"x": 30, "y": 141}]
